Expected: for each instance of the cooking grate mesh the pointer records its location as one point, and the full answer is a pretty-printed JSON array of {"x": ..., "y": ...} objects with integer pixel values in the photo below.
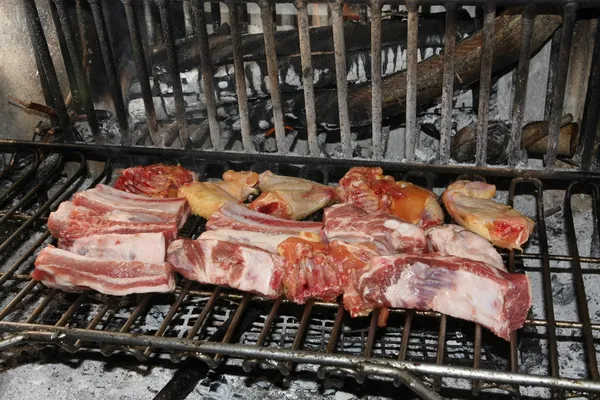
[{"x": 558, "y": 347}]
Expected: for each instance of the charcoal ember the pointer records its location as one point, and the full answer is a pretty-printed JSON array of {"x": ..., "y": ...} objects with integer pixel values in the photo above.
[{"x": 464, "y": 143}]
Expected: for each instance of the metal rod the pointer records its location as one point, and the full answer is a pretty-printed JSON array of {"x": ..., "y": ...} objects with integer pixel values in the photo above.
[
  {"x": 17, "y": 299},
  {"x": 405, "y": 335},
  {"x": 39, "y": 41},
  {"x": 69, "y": 313},
  {"x": 376, "y": 94},
  {"x": 441, "y": 350},
  {"x": 207, "y": 75},
  {"x": 286, "y": 368},
  {"x": 411, "y": 132},
  {"x": 266, "y": 16},
  {"x": 111, "y": 70},
  {"x": 96, "y": 320},
  {"x": 141, "y": 70},
  {"x": 188, "y": 18},
  {"x": 240, "y": 76},
  {"x": 43, "y": 304},
  {"x": 552, "y": 67},
  {"x": 376, "y": 366},
  {"x": 371, "y": 336},
  {"x": 150, "y": 23},
  {"x": 582, "y": 302},
  {"x": 485, "y": 82},
  {"x": 234, "y": 323},
  {"x": 477, "y": 359},
  {"x": 448, "y": 87},
  {"x": 82, "y": 84},
  {"x": 173, "y": 69},
  {"x": 174, "y": 308},
  {"x": 307, "y": 77},
  {"x": 59, "y": 195},
  {"x": 98, "y": 152},
  {"x": 521, "y": 78},
  {"x": 591, "y": 112},
  {"x": 335, "y": 331},
  {"x": 560, "y": 82},
  {"x": 339, "y": 46}
]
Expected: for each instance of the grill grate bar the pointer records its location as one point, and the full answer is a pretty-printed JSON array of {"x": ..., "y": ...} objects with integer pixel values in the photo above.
[
  {"x": 234, "y": 323},
  {"x": 141, "y": 70},
  {"x": 485, "y": 82},
  {"x": 286, "y": 368},
  {"x": 406, "y": 334},
  {"x": 111, "y": 70},
  {"x": 376, "y": 95},
  {"x": 560, "y": 82},
  {"x": 441, "y": 349},
  {"x": 371, "y": 336},
  {"x": 249, "y": 364},
  {"x": 521, "y": 78},
  {"x": 173, "y": 70},
  {"x": 47, "y": 299},
  {"x": 174, "y": 309},
  {"x": 240, "y": 76},
  {"x": 266, "y": 15},
  {"x": 69, "y": 313},
  {"x": 582, "y": 304},
  {"x": 58, "y": 196},
  {"x": 207, "y": 75},
  {"x": 188, "y": 14},
  {"x": 82, "y": 84},
  {"x": 19, "y": 182},
  {"x": 339, "y": 46},
  {"x": 412, "y": 134},
  {"x": 41, "y": 46},
  {"x": 96, "y": 320},
  {"x": 591, "y": 113},
  {"x": 448, "y": 85},
  {"x": 307, "y": 77},
  {"x": 17, "y": 299}
]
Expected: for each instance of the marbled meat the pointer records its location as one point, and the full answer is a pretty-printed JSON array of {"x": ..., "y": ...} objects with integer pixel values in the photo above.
[
  {"x": 457, "y": 287},
  {"x": 239, "y": 266},
  {"x": 67, "y": 271},
  {"x": 158, "y": 180}
]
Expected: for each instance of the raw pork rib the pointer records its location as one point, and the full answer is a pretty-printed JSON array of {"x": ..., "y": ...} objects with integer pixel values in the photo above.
[
  {"x": 145, "y": 247},
  {"x": 80, "y": 226},
  {"x": 238, "y": 266},
  {"x": 453, "y": 240},
  {"x": 263, "y": 241},
  {"x": 389, "y": 234},
  {"x": 206, "y": 198},
  {"x": 291, "y": 198},
  {"x": 310, "y": 271},
  {"x": 156, "y": 180},
  {"x": 238, "y": 217},
  {"x": 105, "y": 199},
  {"x": 470, "y": 204},
  {"x": 61, "y": 269},
  {"x": 461, "y": 288},
  {"x": 57, "y": 221},
  {"x": 372, "y": 191}
]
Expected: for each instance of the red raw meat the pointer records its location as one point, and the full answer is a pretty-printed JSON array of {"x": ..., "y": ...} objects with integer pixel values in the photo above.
[
  {"x": 144, "y": 247},
  {"x": 63, "y": 270},
  {"x": 372, "y": 191},
  {"x": 458, "y": 287},
  {"x": 83, "y": 225},
  {"x": 389, "y": 234},
  {"x": 156, "y": 180},
  {"x": 58, "y": 219},
  {"x": 238, "y": 217},
  {"x": 105, "y": 199},
  {"x": 239, "y": 266},
  {"x": 310, "y": 271}
]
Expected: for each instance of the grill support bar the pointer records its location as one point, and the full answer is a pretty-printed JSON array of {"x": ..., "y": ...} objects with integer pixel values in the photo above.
[{"x": 383, "y": 367}]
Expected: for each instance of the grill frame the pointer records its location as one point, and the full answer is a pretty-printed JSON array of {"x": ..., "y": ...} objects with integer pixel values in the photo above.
[
  {"x": 361, "y": 366},
  {"x": 164, "y": 135}
]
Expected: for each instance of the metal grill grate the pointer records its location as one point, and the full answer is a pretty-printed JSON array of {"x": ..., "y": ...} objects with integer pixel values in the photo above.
[
  {"x": 339, "y": 112},
  {"x": 213, "y": 324}
]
